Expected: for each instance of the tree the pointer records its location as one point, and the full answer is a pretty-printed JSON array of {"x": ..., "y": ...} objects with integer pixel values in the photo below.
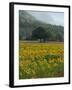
[
  {"x": 59, "y": 37},
  {"x": 39, "y": 33}
]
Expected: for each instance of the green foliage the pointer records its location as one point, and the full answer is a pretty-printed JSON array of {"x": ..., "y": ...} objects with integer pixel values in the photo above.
[{"x": 39, "y": 33}]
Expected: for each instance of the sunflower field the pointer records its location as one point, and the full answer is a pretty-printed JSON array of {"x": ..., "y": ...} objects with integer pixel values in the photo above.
[{"x": 41, "y": 60}]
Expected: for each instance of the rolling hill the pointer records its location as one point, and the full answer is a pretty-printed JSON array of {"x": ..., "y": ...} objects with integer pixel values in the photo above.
[{"x": 28, "y": 23}]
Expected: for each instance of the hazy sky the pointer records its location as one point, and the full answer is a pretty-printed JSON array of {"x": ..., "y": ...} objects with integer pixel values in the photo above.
[{"x": 55, "y": 18}]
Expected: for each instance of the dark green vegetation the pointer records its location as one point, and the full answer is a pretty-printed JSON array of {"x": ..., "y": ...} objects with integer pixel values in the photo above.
[{"x": 32, "y": 29}]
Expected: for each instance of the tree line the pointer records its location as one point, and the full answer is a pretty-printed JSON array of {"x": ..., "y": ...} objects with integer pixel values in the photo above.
[{"x": 44, "y": 35}]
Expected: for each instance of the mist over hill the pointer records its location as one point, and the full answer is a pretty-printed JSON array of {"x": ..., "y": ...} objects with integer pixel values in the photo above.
[{"x": 28, "y": 23}]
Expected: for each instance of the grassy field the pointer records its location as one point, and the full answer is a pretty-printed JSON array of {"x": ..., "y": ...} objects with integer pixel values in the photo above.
[{"x": 41, "y": 60}]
